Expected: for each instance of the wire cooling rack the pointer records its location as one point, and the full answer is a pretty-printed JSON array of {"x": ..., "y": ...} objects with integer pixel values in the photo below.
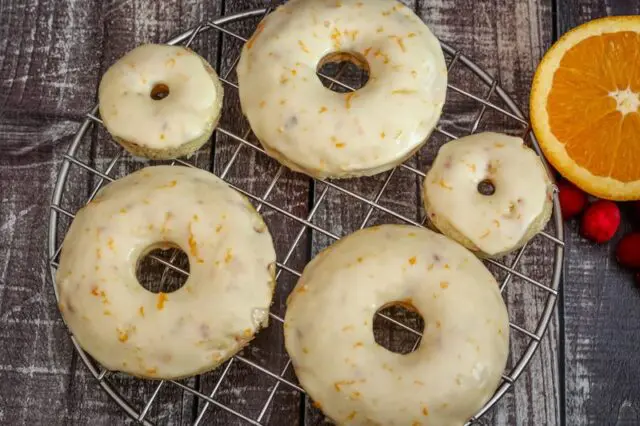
[{"x": 553, "y": 261}]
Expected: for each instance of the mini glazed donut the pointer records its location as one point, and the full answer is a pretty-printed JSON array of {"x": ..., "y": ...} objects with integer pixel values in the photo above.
[
  {"x": 328, "y": 329},
  {"x": 488, "y": 191},
  {"x": 223, "y": 303},
  {"x": 160, "y": 101},
  {"x": 326, "y": 134}
]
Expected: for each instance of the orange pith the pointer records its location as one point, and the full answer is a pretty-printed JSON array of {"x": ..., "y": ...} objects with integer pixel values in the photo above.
[{"x": 585, "y": 117}]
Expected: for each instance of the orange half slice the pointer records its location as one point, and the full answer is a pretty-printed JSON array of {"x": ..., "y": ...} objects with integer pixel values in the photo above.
[{"x": 585, "y": 107}]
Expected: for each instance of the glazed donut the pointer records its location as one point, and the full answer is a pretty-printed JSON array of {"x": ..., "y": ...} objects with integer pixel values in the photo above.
[
  {"x": 223, "y": 303},
  {"x": 322, "y": 133},
  {"x": 489, "y": 192},
  {"x": 328, "y": 329},
  {"x": 160, "y": 101}
]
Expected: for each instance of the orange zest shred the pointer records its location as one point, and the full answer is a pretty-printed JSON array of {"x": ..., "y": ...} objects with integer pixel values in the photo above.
[
  {"x": 255, "y": 35},
  {"x": 123, "y": 336},
  {"x": 162, "y": 298},
  {"x": 443, "y": 184},
  {"x": 193, "y": 245},
  {"x": 228, "y": 256},
  {"x": 399, "y": 42},
  {"x": 338, "y": 385},
  {"x": 348, "y": 98}
]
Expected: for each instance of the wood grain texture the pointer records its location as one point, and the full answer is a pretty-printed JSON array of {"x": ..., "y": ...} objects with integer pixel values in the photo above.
[
  {"x": 601, "y": 303},
  {"x": 52, "y": 55},
  {"x": 51, "y": 66},
  {"x": 245, "y": 389},
  {"x": 45, "y": 90}
]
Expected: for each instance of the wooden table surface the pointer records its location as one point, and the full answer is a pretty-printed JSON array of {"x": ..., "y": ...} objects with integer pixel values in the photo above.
[{"x": 52, "y": 55}]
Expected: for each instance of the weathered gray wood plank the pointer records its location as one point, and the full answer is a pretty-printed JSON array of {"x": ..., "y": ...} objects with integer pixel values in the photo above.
[
  {"x": 601, "y": 303},
  {"x": 44, "y": 91},
  {"x": 52, "y": 55},
  {"x": 244, "y": 388},
  {"x": 58, "y": 50},
  {"x": 126, "y": 25}
]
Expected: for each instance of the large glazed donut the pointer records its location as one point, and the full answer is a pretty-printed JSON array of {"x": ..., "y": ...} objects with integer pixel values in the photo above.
[
  {"x": 328, "y": 329},
  {"x": 314, "y": 130},
  {"x": 489, "y": 191},
  {"x": 223, "y": 303},
  {"x": 160, "y": 101}
]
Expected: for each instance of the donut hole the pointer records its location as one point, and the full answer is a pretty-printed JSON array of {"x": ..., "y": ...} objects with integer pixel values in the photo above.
[
  {"x": 486, "y": 187},
  {"x": 159, "y": 91},
  {"x": 349, "y": 68},
  {"x": 156, "y": 276},
  {"x": 392, "y": 325}
]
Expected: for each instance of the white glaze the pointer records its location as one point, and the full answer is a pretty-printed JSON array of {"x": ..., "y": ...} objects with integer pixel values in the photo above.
[
  {"x": 327, "y": 134},
  {"x": 224, "y": 302},
  {"x": 328, "y": 329},
  {"x": 497, "y": 223},
  {"x": 129, "y": 113}
]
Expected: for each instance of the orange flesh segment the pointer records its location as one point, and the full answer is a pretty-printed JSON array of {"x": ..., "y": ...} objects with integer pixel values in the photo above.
[
  {"x": 629, "y": 150},
  {"x": 582, "y": 114}
]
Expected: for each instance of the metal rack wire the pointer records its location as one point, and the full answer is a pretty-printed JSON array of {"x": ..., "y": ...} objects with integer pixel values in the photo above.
[{"x": 456, "y": 59}]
